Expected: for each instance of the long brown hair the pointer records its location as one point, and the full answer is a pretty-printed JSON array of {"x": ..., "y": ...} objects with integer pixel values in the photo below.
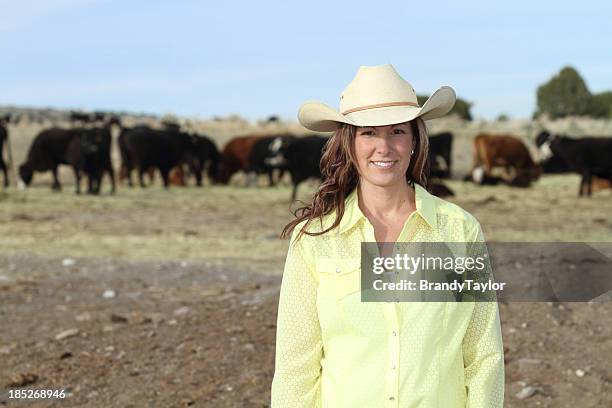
[{"x": 340, "y": 176}]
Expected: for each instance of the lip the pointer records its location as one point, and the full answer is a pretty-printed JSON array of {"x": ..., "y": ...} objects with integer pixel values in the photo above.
[{"x": 383, "y": 164}]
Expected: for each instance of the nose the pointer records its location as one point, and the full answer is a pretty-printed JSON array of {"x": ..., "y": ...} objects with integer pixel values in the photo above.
[{"x": 383, "y": 143}]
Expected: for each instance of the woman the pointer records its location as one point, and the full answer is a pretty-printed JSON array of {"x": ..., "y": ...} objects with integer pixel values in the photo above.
[{"x": 332, "y": 350}]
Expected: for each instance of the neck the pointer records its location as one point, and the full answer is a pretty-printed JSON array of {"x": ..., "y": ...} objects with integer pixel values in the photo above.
[{"x": 384, "y": 202}]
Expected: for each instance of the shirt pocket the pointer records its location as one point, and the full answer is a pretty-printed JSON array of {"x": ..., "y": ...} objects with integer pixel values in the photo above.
[{"x": 338, "y": 278}]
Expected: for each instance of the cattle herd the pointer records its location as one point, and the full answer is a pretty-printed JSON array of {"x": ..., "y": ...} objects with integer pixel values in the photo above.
[
  {"x": 175, "y": 154},
  {"x": 86, "y": 148},
  {"x": 589, "y": 157}
]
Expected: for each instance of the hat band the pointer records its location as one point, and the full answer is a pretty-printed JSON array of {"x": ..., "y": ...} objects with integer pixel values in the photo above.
[{"x": 380, "y": 105}]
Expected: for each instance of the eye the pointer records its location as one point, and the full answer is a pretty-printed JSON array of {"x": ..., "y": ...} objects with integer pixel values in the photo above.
[
  {"x": 399, "y": 131},
  {"x": 366, "y": 133}
]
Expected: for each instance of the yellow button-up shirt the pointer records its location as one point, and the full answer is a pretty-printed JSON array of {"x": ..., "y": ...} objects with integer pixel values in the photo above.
[{"x": 334, "y": 351}]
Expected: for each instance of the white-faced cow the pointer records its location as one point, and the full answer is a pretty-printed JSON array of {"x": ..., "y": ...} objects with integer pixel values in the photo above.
[{"x": 588, "y": 156}]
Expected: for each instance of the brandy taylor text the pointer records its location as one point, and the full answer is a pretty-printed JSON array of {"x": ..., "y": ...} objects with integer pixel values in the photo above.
[{"x": 423, "y": 284}]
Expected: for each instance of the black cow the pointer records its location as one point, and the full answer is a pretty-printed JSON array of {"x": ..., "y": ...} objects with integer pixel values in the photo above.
[
  {"x": 440, "y": 190},
  {"x": 264, "y": 157},
  {"x": 127, "y": 161},
  {"x": 79, "y": 117},
  {"x": 162, "y": 149},
  {"x": 14, "y": 118},
  {"x": 440, "y": 148},
  {"x": 88, "y": 153},
  {"x": 554, "y": 165},
  {"x": 85, "y": 149},
  {"x": 102, "y": 158},
  {"x": 206, "y": 156},
  {"x": 302, "y": 156},
  {"x": 4, "y": 140},
  {"x": 47, "y": 151},
  {"x": 550, "y": 162},
  {"x": 588, "y": 156},
  {"x": 104, "y": 155},
  {"x": 98, "y": 116}
]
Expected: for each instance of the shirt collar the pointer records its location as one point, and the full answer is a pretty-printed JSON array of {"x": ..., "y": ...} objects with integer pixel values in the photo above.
[{"x": 425, "y": 208}]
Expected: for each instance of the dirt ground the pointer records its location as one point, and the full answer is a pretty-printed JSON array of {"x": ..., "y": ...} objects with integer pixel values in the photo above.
[{"x": 168, "y": 298}]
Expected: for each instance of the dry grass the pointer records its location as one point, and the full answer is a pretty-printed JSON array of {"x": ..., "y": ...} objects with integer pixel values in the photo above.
[
  {"x": 214, "y": 223},
  {"x": 240, "y": 226}
]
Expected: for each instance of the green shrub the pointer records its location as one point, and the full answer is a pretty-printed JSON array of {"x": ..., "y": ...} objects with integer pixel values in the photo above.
[
  {"x": 502, "y": 117},
  {"x": 601, "y": 106},
  {"x": 565, "y": 94}
]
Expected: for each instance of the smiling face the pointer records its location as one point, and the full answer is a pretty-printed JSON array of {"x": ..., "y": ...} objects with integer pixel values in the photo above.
[{"x": 383, "y": 153}]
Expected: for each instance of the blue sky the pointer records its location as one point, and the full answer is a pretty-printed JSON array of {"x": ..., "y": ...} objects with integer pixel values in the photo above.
[{"x": 201, "y": 58}]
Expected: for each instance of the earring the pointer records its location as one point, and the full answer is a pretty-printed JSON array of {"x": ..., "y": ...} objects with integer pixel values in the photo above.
[{"x": 412, "y": 152}]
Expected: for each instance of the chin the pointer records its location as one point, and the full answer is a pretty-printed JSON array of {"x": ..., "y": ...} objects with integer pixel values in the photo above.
[{"x": 385, "y": 181}]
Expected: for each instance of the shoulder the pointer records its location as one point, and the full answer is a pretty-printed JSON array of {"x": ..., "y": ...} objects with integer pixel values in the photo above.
[
  {"x": 321, "y": 244},
  {"x": 314, "y": 226},
  {"x": 318, "y": 225},
  {"x": 304, "y": 228}
]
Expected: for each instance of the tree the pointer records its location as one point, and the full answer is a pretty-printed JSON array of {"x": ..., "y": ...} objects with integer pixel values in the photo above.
[
  {"x": 565, "y": 94},
  {"x": 503, "y": 117},
  {"x": 461, "y": 108},
  {"x": 602, "y": 105}
]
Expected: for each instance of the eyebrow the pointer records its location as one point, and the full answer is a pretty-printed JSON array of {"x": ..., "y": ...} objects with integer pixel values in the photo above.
[{"x": 373, "y": 128}]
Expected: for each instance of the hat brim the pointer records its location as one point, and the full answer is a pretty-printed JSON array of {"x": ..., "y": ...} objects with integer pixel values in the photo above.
[{"x": 320, "y": 117}]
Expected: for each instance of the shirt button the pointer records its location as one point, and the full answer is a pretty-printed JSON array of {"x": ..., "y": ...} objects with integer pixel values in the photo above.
[
  {"x": 337, "y": 270},
  {"x": 391, "y": 398},
  {"x": 393, "y": 367},
  {"x": 394, "y": 333}
]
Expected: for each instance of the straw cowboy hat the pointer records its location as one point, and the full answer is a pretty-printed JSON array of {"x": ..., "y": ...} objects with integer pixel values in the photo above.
[{"x": 377, "y": 96}]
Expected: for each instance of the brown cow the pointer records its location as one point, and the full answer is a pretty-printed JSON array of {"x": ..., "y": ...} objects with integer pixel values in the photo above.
[
  {"x": 600, "y": 184},
  {"x": 508, "y": 152},
  {"x": 177, "y": 176},
  {"x": 236, "y": 153}
]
